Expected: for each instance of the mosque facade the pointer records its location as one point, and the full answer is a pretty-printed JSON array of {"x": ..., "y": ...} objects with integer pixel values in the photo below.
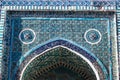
[{"x": 59, "y": 39}]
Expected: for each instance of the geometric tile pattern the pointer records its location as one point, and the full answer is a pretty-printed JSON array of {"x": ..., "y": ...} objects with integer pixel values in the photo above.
[
  {"x": 57, "y": 3},
  {"x": 41, "y": 48},
  {"x": 50, "y": 27},
  {"x": 62, "y": 57}
]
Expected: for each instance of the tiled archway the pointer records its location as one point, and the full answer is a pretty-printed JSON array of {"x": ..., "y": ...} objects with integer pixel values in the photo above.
[
  {"x": 93, "y": 61},
  {"x": 107, "y": 54},
  {"x": 59, "y": 63}
]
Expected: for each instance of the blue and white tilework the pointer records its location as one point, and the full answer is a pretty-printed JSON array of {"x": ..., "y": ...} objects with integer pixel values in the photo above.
[
  {"x": 52, "y": 25},
  {"x": 60, "y": 25}
]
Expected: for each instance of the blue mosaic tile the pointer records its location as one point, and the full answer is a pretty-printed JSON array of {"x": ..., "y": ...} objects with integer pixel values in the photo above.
[
  {"x": 50, "y": 27},
  {"x": 57, "y": 3},
  {"x": 49, "y": 33},
  {"x": 63, "y": 43}
]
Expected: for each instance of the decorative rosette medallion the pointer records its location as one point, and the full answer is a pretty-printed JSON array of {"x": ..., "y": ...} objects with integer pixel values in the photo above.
[
  {"x": 92, "y": 36},
  {"x": 27, "y": 36}
]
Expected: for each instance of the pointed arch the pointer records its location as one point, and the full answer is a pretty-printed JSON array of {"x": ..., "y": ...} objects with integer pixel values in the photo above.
[{"x": 71, "y": 46}]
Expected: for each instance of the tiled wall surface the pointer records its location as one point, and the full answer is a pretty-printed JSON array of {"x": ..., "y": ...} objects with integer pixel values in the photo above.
[
  {"x": 118, "y": 30},
  {"x": 61, "y": 25},
  {"x": 52, "y": 25}
]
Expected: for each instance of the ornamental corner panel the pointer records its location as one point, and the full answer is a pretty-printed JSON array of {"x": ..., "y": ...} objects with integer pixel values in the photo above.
[{"x": 59, "y": 40}]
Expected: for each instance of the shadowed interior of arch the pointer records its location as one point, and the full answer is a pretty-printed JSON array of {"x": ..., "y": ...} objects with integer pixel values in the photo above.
[{"x": 58, "y": 64}]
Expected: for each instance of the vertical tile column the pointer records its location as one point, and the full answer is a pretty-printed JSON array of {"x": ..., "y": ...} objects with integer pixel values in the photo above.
[
  {"x": 118, "y": 33},
  {"x": 2, "y": 20}
]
